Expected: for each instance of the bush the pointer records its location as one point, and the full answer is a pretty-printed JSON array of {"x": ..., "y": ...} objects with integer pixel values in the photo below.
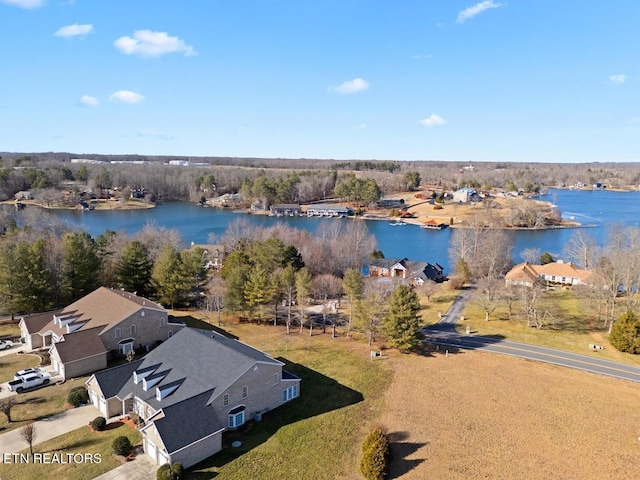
[
  {"x": 375, "y": 455},
  {"x": 122, "y": 446},
  {"x": 170, "y": 472},
  {"x": 98, "y": 423},
  {"x": 78, "y": 396},
  {"x": 625, "y": 333}
]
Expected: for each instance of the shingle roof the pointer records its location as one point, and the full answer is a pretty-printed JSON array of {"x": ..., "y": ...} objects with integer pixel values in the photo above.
[
  {"x": 386, "y": 262},
  {"x": 203, "y": 362},
  {"x": 103, "y": 307},
  {"x": 187, "y": 421},
  {"x": 112, "y": 379},
  {"x": 523, "y": 272},
  {"x": 81, "y": 344},
  {"x": 35, "y": 323},
  {"x": 560, "y": 269}
]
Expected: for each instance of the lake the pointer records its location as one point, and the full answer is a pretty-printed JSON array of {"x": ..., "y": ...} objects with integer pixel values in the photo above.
[{"x": 602, "y": 209}]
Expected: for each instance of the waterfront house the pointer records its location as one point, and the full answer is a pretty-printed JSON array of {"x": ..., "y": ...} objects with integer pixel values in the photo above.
[
  {"x": 191, "y": 389},
  {"x": 285, "y": 210},
  {"x": 326, "y": 210},
  {"x": 554, "y": 274},
  {"x": 82, "y": 337},
  {"x": 415, "y": 272}
]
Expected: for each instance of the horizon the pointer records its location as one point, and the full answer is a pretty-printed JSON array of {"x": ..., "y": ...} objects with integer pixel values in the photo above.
[{"x": 467, "y": 81}]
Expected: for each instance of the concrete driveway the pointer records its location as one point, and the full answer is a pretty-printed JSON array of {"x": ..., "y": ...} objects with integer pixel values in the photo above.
[
  {"x": 140, "y": 468},
  {"x": 17, "y": 347}
]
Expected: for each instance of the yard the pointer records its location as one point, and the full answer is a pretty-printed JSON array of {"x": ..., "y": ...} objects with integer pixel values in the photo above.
[
  {"x": 10, "y": 364},
  {"x": 38, "y": 404},
  {"x": 574, "y": 328},
  {"x": 81, "y": 440}
]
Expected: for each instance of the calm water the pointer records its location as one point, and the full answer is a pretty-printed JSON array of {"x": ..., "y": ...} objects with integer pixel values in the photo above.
[{"x": 599, "y": 208}]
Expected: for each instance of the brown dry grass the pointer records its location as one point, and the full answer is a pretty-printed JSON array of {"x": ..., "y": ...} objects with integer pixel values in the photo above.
[{"x": 481, "y": 415}]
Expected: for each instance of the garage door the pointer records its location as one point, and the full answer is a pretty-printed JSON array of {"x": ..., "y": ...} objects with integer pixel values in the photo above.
[
  {"x": 94, "y": 399},
  {"x": 162, "y": 457},
  {"x": 102, "y": 406},
  {"x": 151, "y": 450}
]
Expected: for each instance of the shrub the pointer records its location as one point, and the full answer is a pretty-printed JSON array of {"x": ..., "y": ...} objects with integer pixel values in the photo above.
[
  {"x": 170, "y": 472},
  {"x": 625, "y": 333},
  {"x": 98, "y": 423},
  {"x": 78, "y": 396},
  {"x": 375, "y": 455},
  {"x": 122, "y": 446}
]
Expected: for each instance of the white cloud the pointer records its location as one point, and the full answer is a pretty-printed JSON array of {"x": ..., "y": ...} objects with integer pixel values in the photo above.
[
  {"x": 74, "y": 30},
  {"x": 433, "y": 121},
  {"x": 126, "y": 96},
  {"x": 89, "y": 101},
  {"x": 618, "y": 79},
  {"x": 152, "y": 44},
  {"x": 474, "y": 10},
  {"x": 352, "y": 86},
  {"x": 28, "y": 4}
]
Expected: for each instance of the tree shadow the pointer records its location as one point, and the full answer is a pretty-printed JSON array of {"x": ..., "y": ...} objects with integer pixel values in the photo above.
[
  {"x": 443, "y": 339},
  {"x": 400, "y": 449},
  {"x": 320, "y": 394}
]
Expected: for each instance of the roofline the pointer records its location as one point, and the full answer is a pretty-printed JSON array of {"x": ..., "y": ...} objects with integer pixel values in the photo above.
[
  {"x": 83, "y": 358},
  {"x": 192, "y": 443}
]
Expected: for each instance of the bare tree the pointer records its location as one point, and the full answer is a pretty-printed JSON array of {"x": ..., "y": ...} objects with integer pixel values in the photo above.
[
  {"x": 429, "y": 288},
  {"x": 487, "y": 296},
  {"x": 509, "y": 296},
  {"x": 214, "y": 295},
  {"x": 530, "y": 255},
  {"x": 6, "y": 404},
  {"x": 371, "y": 310},
  {"x": 581, "y": 249},
  {"x": 28, "y": 434},
  {"x": 535, "y": 308}
]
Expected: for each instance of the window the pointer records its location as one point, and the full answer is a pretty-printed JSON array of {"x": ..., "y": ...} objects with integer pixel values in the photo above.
[
  {"x": 118, "y": 332},
  {"x": 225, "y": 400},
  {"x": 245, "y": 391},
  {"x": 236, "y": 417},
  {"x": 125, "y": 346},
  {"x": 170, "y": 334},
  {"x": 276, "y": 378},
  {"x": 290, "y": 393},
  {"x": 161, "y": 322},
  {"x": 133, "y": 329}
]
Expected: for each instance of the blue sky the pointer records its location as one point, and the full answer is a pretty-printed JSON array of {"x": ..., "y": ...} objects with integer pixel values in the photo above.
[{"x": 456, "y": 80}]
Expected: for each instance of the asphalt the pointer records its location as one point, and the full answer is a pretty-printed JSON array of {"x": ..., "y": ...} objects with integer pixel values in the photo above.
[
  {"x": 445, "y": 334},
  {"x": 140, "y": 468}
]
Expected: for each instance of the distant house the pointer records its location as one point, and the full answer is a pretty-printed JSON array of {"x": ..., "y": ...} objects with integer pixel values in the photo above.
[
  {"x": 390, "y": 203},
  {"x": 102, "y": 324},
  {"x": 285, "y": 210},
  {"x": 554, "y": 274},
  {"x": 599, "y": 186},
  {"x": 415, "y": 272},
  {"x": 23, "y": 195},
  {"x": 465, "y": 195},
  {"x": 214, "y": 255},
  {"x": 189, "y": 390}
]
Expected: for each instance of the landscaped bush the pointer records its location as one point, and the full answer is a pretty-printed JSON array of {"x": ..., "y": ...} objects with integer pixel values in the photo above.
[
  {"x": 98, "y": 423},
  {"x": 121, "y": 446},
  {"x": 170, "y": 472},
  {"x": 625, "y": 333},
  {"x": 78, "y": 396},
  {"x": 375, "y": 455}
]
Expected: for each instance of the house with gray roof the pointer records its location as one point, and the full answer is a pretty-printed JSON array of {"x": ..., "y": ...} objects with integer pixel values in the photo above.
[
  {"x": 415, "y": 272},
  {"x": 190, "y": 389}
]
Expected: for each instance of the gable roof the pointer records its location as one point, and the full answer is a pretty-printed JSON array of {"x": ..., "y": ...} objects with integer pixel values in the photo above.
[
  {"x": 523, "y": 272},
  {"x": 81, "y": 344},
  {"x": 529, "y": 272},
  {"x": 187, "y": 421},
  {"x": 201, "y": 362},
  {"x": 35, "y": 323},
  {"x": 112, "y": 379},
  {"x": 103, "y": 307},
  {"x": 387, "y": 262}
]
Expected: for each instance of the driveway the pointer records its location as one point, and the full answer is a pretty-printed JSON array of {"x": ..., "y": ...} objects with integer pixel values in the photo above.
[
  {"x": 17, "y": 347},
  {"x": 140, "y": 468},
  {"x": 50, "y": 427}
]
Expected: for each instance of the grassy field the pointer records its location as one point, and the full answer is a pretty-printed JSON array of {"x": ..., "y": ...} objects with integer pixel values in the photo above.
[
  {"x": 39, "y": 404},
  {"x": 82, "y": 440},
  {"x": 574, "y": 328},
  {"x": 10, "y": 364}
]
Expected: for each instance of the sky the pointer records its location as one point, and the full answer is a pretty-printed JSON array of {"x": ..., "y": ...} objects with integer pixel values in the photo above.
[{"x": 453, "y": 80}]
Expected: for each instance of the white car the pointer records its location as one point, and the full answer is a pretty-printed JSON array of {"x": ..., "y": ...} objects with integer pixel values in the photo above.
[
  {"x": 27, "y": 372},
  {"x": 4, "y": 344}
]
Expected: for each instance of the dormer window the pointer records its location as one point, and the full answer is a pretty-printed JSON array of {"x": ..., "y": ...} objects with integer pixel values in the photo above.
[
  {"x": 138, "y": 375},
  {"x": 165, "y": 391},
  {"x": 152, "y": 380}
]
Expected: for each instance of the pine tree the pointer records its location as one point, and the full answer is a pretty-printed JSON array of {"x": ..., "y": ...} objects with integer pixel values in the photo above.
[
  {"x": 625, "y": 333},
  {"x": 353, "y": 285},
  {"x": 258, "y": 291},
  {"x": 165, "y": 277},
  {"x": 402, "y": 324},
  {"x": 80, "y": 265},
  {"x": 133, "y": 271}
]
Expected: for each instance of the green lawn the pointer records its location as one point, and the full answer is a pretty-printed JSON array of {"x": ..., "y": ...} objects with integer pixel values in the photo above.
[
  {"x": 319, "y": 434},
  {"x": 10, "y": 364},
  {"x": 39, "y": 404},
  {"x": 439, "y": 302},
  {"x": 573, "y": 328},
  {"x": 82, "y": 441}
]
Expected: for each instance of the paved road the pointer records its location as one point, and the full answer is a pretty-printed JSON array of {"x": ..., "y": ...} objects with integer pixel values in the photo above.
[{"x": 444, "y": 333}]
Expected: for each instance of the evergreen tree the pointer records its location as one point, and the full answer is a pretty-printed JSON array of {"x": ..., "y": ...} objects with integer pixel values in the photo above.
[
  {"x": 625, "y": 333},
  {"x": 402, "y": 324},
  {"x": 133, "y": 271},
  {"x": 258, "y": 291},
  {"x": 235, "y": 271},
  {"x": 81, "y": 266},
  {"x": 165, "y": 276}
]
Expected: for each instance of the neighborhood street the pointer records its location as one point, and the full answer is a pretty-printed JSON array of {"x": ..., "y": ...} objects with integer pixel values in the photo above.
[{"x": 444, "y": 333}]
